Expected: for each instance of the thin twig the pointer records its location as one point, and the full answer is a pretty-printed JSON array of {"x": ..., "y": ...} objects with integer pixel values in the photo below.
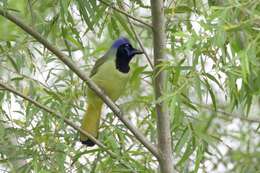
[
  {"x": 23, "y": 76},
  {"x": 229, "y": 115},
  {"x": 67, "y": 121},
  {"x": 124, "y": 13},
  {"x": 137, "y": 133},
  {"x": 138, "y": 38},
  {"x": 140, "y": 43}
]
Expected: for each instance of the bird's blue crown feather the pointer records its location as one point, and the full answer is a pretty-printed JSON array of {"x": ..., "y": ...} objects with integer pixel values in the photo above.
[{"x": 119, "y": 42}]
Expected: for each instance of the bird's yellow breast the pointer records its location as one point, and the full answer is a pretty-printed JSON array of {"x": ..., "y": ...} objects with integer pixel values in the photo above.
[{"x": 111, "y": 80}]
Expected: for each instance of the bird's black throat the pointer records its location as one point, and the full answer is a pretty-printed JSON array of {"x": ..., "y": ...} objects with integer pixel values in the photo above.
[{"x": 122, "y": 60}]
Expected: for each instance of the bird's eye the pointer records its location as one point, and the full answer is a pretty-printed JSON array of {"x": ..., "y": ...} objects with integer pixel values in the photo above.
[{"x": 127, "y": 45}]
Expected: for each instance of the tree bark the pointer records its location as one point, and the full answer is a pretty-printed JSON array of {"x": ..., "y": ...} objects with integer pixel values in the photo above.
[{"x": 160, "y": 84}]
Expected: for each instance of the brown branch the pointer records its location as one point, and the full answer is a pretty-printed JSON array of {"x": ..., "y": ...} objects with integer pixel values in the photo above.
[
  {"x": 85, "y": 78},
  {"x": 160, "y": 87},
  {"x": 67, "y": 121},
  {"x": 125, "y": 13}
]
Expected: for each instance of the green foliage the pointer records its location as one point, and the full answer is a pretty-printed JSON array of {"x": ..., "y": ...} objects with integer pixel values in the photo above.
[{"x": 213, "y": 68}]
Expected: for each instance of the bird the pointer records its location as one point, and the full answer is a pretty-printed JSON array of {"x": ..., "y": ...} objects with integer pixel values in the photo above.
[{"x": 111, "y": 73}]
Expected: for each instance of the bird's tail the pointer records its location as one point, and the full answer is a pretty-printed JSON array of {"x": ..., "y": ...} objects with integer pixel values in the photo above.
[{"x": 91, "y": 120}]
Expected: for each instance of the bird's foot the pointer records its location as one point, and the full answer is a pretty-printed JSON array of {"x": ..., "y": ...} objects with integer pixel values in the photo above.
[{"x": 88, "y": 143}]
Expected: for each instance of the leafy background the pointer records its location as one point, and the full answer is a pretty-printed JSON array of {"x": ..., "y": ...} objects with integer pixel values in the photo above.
[{"x": 213, "y": 86}]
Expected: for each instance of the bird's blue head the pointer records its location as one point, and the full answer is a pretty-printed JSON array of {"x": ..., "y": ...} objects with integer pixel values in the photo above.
[
  {"x": 124, "y": 53},
  {"x": 121, "y": 41},
  {"x": 122, "y": 44}
]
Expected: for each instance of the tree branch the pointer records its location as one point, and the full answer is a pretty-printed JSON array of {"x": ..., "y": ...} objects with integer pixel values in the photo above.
[
  {"x": 160, "y": 87},
  {"x": 67, "y": 121},
  {"x": 124, "y": 13},
  {"x": 85, "y": 78}
]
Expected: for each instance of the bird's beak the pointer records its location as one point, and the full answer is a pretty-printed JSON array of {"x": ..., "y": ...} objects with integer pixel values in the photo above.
[{"x": 136, "y": 51}]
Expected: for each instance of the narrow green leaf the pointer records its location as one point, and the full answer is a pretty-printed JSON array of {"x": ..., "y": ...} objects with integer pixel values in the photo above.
[
  {"x": 178, "y": 9},
  {"x": 212, "y": 95},
  {"x": 14, "y": 64},
  {"x": 124, "y": 24},
  {"x": 84, "y": 13},
  {"x": 236, "y": 27},
  {"x": 211, "y": 77},
  {"x": 189, "y": 150},
  {"x": 199, "y": 156},
  {"x": 185, "y": 137},
  {"x": 115, "y": 29}
]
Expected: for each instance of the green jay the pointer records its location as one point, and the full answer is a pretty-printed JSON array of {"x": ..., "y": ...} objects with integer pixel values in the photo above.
[{"x": 111, "y": 73}]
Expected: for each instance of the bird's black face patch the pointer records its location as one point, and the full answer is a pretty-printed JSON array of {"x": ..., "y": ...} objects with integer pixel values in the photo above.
[{"x": 124, "y": 55}]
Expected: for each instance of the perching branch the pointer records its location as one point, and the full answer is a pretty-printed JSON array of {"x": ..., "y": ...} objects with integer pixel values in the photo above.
[
  {"x": 67, "y": 121},
  {"x": 124, "y": 13},
  {"x": 85, "y": 78},
  {"x": 160, "y": 87}
]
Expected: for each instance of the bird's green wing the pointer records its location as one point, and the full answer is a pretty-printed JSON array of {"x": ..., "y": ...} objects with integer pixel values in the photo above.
[{"x": 98, "y": 63}]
